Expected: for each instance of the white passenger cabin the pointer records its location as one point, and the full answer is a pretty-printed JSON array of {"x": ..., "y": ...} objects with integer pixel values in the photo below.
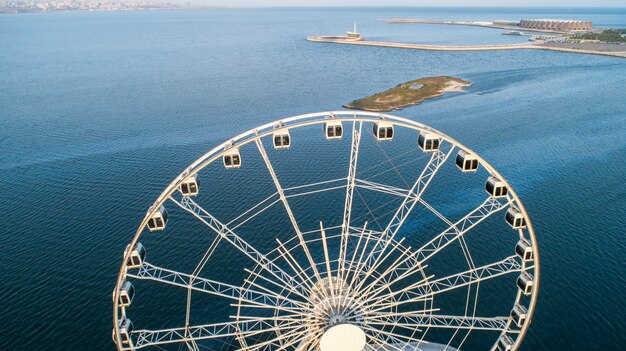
[
  {"x": 515, "y": 218},
  {"x": 524, "y": 250},
  {"x": 518, "y": 314},
  {"x": 525, "y": 283},
  {"x": 496, "y": 187},
  {"x": 127, "y": 292},
  {"x": 466, "y": 161},
  {"x": 232, "y": 158},
  {"x": 505, "y": 343},
  {"x": 189, "y": 187},
  {"x": 333, "y": 130},
  {"x": 125, "y": 328},
  {"x": 158, "y": 220},
  {"x": 282, "y": 139},
  {"x": 383, "y": 131},
  {"x": 137, "y": 255},
  {"x": 428, "y": 142}
]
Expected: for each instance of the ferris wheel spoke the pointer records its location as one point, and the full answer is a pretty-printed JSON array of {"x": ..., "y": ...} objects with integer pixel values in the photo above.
[
  {"x": 277, "y": 326},
  {"x": 295, "y": 266},
  {"x": 397, "y": 342},
  {"x": 276, "y": 341},
  {"x": 314, "y": 188},
  {"x": 417, "y": 292},
  {"x": 379, "y": 260},
  {"x": 437, "y": 159},
  {"x": 277, "y": 284},
  {"x": 223, "y": 230},
  {"x": 300, "y": 339},
  {"x": 381, "y": 277},
  {"x": 329, "y": 271},
  {"x": 411, "y": 321},
  {"x": 382, "y": 188},
  {"x": 167, "y": 276},
  {"x": 362, "y": 264},
  {"x": 242, "y": 219},
  {"x": 281, "y": 193},
  {"x": 145, "y": 338},
  {"x": 192, "y": 345},
  {"x": 458, "y": 229},
  {"x": 353, "y": 266},
  {"x": 347, "y": 209},
  {"x": 415, "y": 262}
]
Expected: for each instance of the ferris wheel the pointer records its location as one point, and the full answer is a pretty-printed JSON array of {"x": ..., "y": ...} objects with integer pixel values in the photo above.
[{"x": 331, "y": 231}]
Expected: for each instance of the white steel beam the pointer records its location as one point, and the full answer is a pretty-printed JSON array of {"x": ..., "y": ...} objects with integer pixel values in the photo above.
[
  {"x": 236, "y": 293},
  {"x": 437, "y": 159},
  {"x": 414, "y": 262},
  {"x": 146, "y": 338},
  {"x": 223, "y": 230},
  {"x": 281, "y": 193},
  {"x": 413, "y": 321},
  {"x": 347, "y": 209},
  {"x": 424, "y": 289}
]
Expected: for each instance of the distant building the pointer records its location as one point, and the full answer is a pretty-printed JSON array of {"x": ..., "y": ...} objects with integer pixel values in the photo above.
[{"x": 555, "y": 24}]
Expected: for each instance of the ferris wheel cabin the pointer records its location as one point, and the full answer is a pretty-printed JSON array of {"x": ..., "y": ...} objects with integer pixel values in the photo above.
[
  {"x": 466, "y": 161},
  {"x": 333, "y": 130},
  {"x": 525, "y": 282},
  {"x": 518, "y": 314},
  {"x": 515, "y": 218},
  {"x": 496, "y": 187},
  {"x": 189, "y": 187},
  {"x": 125, "y": 328},
  {"x": 524, "y": 250},
  {"x": 127, "y": 292},
  {"x": 428, "y": 142},
  {"x": 158, "y": 220},
  {"x": 505, "y": 343},
  {"x": 282, "y": 139},
  {"x": 383, "y": 131},
  {"x": 232, "y": 159},
  {"x": 137, "y": 255}
]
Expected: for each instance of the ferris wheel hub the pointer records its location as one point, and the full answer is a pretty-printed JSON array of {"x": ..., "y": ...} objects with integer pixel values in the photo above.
[
  {"x": 343, "y": 337},
  {"x": 333, "y": 304}
]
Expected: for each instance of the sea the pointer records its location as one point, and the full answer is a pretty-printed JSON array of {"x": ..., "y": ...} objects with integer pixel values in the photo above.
[{"x": 99, "y": 111}]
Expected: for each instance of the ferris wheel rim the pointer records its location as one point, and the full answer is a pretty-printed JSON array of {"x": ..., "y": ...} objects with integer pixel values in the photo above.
[{"x": 310, "y": 119}]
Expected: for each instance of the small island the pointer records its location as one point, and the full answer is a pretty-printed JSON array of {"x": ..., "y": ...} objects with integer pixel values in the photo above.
[{"x": 409, "y": 93}]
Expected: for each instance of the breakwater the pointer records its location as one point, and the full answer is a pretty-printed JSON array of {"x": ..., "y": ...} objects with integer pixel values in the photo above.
[{"x": 522, "y": 46}]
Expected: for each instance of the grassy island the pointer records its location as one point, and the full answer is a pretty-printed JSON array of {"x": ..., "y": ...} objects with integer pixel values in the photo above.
[{"x": 409, "y": 93}]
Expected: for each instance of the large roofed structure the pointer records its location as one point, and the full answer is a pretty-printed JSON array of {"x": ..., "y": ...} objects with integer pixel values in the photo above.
[{"x": 555, "y": 24}]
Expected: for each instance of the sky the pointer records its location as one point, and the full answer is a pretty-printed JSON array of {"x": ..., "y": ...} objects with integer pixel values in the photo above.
[{"x": 414, "y": 3}]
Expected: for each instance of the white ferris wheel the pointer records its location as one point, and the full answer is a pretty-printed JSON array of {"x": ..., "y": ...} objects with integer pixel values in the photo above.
[{"x": 331, "y": 231}]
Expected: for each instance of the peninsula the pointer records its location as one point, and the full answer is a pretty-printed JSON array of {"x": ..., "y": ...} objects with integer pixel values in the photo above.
[
  {"x": 553, "y": 35},
  {"x": 409, "y": 93}
]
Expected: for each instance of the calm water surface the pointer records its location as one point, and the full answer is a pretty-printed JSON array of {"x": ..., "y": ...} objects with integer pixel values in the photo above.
[{"x": 99, "y": 111}]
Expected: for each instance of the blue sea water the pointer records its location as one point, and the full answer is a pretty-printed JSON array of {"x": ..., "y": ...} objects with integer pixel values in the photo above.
[{"x": 100, "y": 110}]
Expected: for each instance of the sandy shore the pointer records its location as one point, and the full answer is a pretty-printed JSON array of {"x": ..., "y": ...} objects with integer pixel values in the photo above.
[{"x": 454, "y": 86}]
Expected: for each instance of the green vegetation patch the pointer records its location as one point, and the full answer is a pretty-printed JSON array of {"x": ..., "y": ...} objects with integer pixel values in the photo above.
[
  {"x": 607, "y": 36},
  {"x": 409, "y": 93}
]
